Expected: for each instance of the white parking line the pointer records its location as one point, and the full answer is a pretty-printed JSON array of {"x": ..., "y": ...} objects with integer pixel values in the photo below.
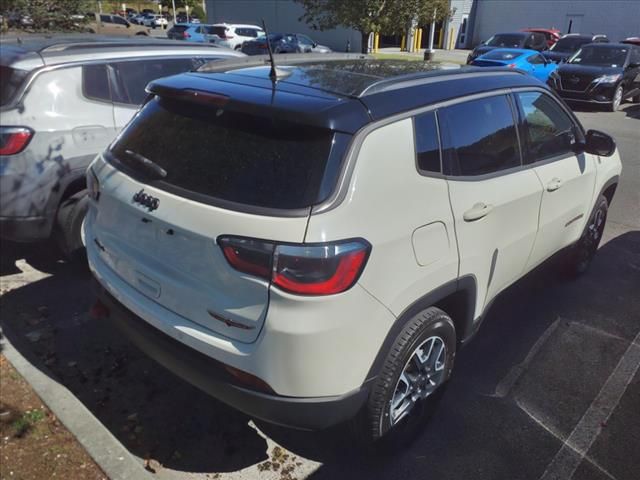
[
  {"x": 575, "y": 448},
  {"x": 506, "y": 384}
]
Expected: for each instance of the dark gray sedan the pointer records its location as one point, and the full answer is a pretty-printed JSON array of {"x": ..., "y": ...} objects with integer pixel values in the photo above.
[{"x": 283, "y": 43}]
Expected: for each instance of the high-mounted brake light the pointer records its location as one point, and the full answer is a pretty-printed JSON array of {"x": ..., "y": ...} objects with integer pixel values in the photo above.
[
  {"x": 14, "y": 139},
  {"x": 512, "y": 65},
  {"x": 303, "y": 269}
]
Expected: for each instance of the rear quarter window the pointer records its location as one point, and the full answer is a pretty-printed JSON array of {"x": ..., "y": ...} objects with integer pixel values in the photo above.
[
  {"x": 220, "y": 156},
  {"x": 11, "y": 80}
]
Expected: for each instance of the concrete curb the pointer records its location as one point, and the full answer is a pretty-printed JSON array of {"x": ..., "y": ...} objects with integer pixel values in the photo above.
[{"x": 114, "y": 460}]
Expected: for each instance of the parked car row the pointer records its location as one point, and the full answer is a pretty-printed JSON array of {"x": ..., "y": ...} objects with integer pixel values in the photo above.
[
  {"x": 250, "y": 39},
  {"x": 584, "y": 68}
]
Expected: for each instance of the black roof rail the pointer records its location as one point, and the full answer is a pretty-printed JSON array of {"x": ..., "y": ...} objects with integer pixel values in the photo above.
[{"x": 433, "y": 76}]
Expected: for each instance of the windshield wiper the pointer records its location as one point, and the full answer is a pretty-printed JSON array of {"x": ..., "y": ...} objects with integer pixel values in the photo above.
[{"x": 152, "y": 169}]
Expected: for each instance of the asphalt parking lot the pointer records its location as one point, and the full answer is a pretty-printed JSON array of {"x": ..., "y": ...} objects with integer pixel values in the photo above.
[{"x": 548, "y": 389}]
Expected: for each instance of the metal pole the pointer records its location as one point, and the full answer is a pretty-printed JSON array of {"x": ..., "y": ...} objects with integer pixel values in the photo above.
[
  {"x": 173, "y": 3},
  {"x": 432, "y": 30}
]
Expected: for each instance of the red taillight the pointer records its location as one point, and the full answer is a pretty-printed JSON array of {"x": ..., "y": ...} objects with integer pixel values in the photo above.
[
  {"x": 315, "y": 269},
  {"x": 185, "y": 35},
  {"x": 14, "y": 139},
  {"x": 512, "y": 65}
]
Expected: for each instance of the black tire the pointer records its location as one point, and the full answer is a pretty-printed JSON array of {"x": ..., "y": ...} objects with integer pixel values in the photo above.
[
  {"x": 373, "y": 426},
  {"x": 141, "y": 33},
  {"x": 581, "y": 254},
  {"x": 69, "y": 220},
  {"x": 615, "y": 104}
]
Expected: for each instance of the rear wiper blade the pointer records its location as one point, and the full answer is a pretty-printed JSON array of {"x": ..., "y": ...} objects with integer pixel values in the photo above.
[{"x": 153, "y": 169}]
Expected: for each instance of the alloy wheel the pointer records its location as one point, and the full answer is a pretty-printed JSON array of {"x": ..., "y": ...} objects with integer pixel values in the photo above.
[{"x": 423, "y": 373}]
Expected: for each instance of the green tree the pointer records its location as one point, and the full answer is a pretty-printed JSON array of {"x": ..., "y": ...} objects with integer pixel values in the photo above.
[
  {"x": 367, "y": 16},
  {"x": 47, "y": 14}
]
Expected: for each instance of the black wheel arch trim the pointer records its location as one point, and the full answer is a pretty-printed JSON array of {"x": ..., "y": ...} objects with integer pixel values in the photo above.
[{"x": 463, "y": 290}]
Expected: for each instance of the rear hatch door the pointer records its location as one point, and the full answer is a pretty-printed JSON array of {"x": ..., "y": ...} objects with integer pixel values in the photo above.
[{"x": 227, "y": 173}]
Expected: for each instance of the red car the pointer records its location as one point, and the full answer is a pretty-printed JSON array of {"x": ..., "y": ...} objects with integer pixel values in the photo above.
[
  {"x": 632, "y": 41},
  {"x": 551, "y": 34}
]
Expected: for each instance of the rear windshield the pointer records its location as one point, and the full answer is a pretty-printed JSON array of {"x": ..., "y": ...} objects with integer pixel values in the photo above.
[
  {"x": 508, "y": 40},
  {"x": 219, "y": 156},
  {"x": 502, "y": 55},
  {"x": 10, "y": 81},
  {"x": 568, "y": 45},
  {"x": 220, "y": 31}
]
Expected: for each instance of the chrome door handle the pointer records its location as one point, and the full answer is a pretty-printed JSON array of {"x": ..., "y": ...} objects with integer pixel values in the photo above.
[
  {"x": 554, "y": 184},
  {"x": 478, "y": 211}
]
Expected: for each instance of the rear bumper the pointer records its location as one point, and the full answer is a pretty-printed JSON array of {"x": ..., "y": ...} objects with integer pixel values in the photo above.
[{"x": 209, "y": 375}]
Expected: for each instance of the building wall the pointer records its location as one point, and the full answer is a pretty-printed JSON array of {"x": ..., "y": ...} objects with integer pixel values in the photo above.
[
  {"x": 617, "y": 19},
  {"x": 280, "y": 16},
  {"x": 453, "y": 34}
]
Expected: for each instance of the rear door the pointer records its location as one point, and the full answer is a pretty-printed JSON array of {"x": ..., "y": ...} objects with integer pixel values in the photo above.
[
  {"x": 568, "y": 180},
  {"x": 495, "y": 200},
  {"x": 228, "y": 173}
]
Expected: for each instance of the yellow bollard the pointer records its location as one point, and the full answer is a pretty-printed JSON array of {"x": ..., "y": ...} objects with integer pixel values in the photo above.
[
  {"x": 415, "y": 40},
  {"x": 419, "y": 39},
  {"x": 403, "y": 43},
  {"x": 376, "y": 42}
]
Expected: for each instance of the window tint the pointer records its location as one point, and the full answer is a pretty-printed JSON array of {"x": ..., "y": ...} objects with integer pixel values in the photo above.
[
  {"x": 535, "y": 60},
  {"x": 134, "y": 76},
  {"x": 10, "y": 81},
  {"x": 482, "y": 136},
  {"x": 119, "y": 20},
  {"x": 304, "y": 40},
  {"x": 229, "y": 156},
  {"x": 427, "y": 143},
  {"x": 106, "y": 19},
  {"x": 95, "y": 82},
  {"x": 547, "y": 127},
  {"x": 247, "y": 32}
]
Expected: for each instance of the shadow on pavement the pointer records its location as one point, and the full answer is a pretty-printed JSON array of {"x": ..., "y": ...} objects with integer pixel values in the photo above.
[{"x": 474, "y": 434}]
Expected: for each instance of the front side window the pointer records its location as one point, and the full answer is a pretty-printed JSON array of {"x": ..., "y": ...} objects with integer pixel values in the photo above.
[
  {"x": 427, "y": 143},
  {"x": 120, "y": 21},
  {"x": 106, "y": 19},
  {"x": 547, "y": 127},
  {"x": 482, "y": 136}
]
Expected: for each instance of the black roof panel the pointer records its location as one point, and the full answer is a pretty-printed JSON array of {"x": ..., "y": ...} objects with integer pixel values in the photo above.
[{"x": 343, "y": 93}]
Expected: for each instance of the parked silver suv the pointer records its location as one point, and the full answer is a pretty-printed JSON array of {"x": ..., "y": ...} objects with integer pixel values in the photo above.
[{"x": 62, "y": 101}]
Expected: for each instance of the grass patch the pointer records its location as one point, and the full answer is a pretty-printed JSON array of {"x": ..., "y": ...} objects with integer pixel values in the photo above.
[{"x": 23, "y": 424}]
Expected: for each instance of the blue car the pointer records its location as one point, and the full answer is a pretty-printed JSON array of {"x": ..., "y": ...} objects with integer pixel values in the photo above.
[
  {"x": 529, "y": 61},
  {"x": 200, "y": 33}
]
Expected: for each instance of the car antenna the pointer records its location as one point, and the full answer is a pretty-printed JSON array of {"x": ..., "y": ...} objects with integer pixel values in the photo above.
[{"x": 275, "y": 74}]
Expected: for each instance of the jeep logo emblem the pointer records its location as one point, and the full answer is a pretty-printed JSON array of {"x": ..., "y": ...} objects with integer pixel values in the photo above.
[{"x": 146, "y": 200}]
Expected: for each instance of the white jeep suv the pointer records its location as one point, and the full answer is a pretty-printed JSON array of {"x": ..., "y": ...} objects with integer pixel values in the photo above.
[
  {"x": 234, "y": 35},
  {"x": 316, "y": 248}
]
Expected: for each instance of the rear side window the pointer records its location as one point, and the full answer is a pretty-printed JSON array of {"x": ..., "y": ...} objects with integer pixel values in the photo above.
[
  {"x": 548, "y": 128},
  {"x": 219, "y": 156},
  {"x": 482, "y": 136},
  {"x": 106, "y": 19},
  {"x": 427, "y": 143},
  {"x": 95, "y": 83},
  {"x": 10, "y": 82},
  {"x": 536, "y": 60},
  {"x": 247, "y": 32},
  {"x": 134, "y": 76}
]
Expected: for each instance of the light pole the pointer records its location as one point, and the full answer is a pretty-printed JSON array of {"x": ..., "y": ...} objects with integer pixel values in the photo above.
[{"x": 173, "y": 4}]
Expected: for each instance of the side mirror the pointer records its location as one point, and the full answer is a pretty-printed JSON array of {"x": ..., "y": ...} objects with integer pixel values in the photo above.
[{"x": 599, "y": 143}]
